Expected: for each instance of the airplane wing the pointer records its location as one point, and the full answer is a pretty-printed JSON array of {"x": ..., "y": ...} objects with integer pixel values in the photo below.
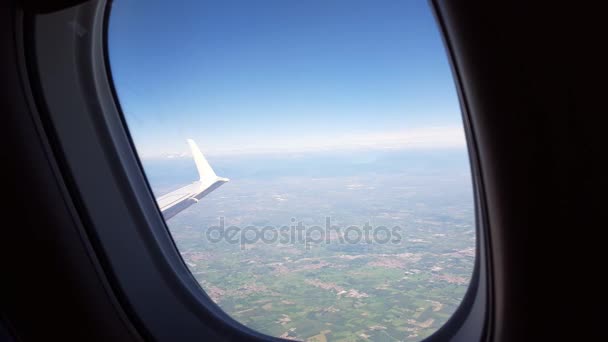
[{"x": 180, "y": 199}]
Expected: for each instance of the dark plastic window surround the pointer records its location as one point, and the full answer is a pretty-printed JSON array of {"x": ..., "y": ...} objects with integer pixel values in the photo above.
[{"x": 79, "y": 112}]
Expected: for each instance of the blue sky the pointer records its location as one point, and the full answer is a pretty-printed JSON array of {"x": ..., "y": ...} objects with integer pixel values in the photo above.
[{"x": 274, "y": 76}]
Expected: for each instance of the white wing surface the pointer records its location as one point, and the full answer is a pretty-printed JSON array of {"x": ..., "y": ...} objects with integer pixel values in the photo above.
[{"x": 172, "y": 203}]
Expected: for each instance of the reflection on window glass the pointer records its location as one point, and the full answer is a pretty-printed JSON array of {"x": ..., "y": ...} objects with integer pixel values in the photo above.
[{"x": 331, "y": 199}]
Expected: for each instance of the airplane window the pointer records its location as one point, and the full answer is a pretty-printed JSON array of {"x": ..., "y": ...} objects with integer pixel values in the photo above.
[{"x": 308, "y": 156}]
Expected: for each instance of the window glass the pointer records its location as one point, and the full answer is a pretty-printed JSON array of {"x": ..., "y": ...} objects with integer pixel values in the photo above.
[{"x": 331, "y": 199}]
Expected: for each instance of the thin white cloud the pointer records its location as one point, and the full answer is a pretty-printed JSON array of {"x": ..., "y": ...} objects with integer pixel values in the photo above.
[{"x": 436, "y": 137}]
